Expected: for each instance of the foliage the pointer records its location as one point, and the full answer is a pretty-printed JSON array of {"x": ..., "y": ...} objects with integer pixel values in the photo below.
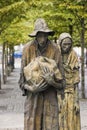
[
  {"x": 17, "y": 18},
  {"x": 17, "y": 33},
  {"x": 8, "y": 13}
]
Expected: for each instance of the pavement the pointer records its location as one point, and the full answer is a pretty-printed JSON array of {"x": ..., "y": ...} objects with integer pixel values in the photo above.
[{"x": 12, "y": 103}]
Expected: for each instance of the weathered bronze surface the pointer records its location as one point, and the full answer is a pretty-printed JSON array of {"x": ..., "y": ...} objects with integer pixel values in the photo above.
[
  {"x": 69, "y": 116},
  {"x": 41, "y": 108}
]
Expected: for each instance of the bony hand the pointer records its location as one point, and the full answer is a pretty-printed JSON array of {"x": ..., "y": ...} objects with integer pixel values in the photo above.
[
  {"x": 48, "y": 75},
  {"x": 42, "y": 85},
  {"x": 76, "y": 107}
]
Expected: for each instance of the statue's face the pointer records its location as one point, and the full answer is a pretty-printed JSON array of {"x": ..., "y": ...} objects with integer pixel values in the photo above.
[
  {"x": 66, "y": 45},
  {"x": 41, "y": 38}
]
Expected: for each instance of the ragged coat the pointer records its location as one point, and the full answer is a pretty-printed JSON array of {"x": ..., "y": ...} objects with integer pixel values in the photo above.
[
  {"x": 41, "y": 109},
  {"x": 69, "y": 117}
]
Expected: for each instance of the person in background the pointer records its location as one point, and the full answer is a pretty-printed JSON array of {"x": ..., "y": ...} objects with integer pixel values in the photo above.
[{"x": 69, "y": 117}]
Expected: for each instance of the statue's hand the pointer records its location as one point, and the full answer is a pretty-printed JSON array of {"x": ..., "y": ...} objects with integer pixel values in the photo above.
[
  {"x": 36, "y": 87},
  {"x": 40, "y": 86},
  {"x": 76, "y": 99},
  {"x": 48, "y": 75},
  {"x": 76, "y": 107}
]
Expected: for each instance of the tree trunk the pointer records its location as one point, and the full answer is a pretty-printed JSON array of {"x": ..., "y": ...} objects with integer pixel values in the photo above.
[
  {"x": 70, "y": 26},
  {"x": 70, "y": 29},
  {"x": 0, "y": 81},
  {"x": 6, "y": 60},
  {"x": 13, "y": 57},
  {"x": 3, "y": 64},
  {"x": 82, "y": 58}
]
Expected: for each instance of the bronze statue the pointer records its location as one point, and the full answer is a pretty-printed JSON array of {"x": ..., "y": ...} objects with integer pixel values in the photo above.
[
  {"x": 41, "y": 105},
  {"x": 69, "y": 117}
]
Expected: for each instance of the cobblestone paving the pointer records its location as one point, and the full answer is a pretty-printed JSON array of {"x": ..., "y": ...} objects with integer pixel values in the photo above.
[
  {"x": 83, "y": 111},
  {"x": 11, "y": 99}
]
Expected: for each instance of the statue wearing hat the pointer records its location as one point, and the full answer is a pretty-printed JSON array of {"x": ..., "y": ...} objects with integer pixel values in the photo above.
[
  {"x": 69, "y": 117},
  {"x": 43, "y": 83}
]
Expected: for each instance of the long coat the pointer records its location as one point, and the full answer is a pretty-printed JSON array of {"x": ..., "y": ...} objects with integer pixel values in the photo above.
[
  {"x": 41, "y": 109},
  {"x": 69, "y": 118}
]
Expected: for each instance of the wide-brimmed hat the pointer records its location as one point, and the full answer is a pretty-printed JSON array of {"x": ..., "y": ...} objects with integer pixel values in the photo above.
[
  {"x": 63, "y": 36},
  {"x": 41, "y": 26}
]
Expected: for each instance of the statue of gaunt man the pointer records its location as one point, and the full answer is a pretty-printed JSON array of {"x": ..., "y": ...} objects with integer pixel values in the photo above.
[{"x": 41, "y": 105}]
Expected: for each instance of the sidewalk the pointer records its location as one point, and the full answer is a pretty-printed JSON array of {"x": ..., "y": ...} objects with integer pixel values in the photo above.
[{"x": 12, "y": 105}]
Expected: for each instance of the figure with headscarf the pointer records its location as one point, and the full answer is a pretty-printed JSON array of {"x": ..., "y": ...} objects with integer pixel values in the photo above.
[
  {"x": 41, "y": 104},
  {"x": 69, "y": 117}
]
